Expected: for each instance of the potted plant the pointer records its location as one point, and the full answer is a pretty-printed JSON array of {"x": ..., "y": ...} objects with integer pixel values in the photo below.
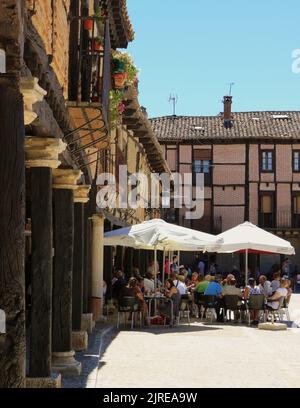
[
  {"x": 120, "y": 79},
  {"x": 100, "y": 20},
  {"x": 124, "y": 63},
  {"x": 96, "y": 44},
  {"x": 88, "y": 24},
  {"x": 118, "y": 66}
]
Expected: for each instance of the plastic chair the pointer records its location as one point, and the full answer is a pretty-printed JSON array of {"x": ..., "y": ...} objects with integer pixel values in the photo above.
[
  {"x": 256, "y": 302},
  {"x": 231, "y": 304},
  {"x": 273, "y": 312},
  {"x": 209, "y": 302},
  {"x": 126, "y": 305},
  {"x": 284, "y": 310},
  {"x": 184, "y": 308}
]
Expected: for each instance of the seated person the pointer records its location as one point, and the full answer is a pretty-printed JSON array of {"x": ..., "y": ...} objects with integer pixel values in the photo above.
[
  {"x": 118, "y": 285},
  {"x": 149, "y": 283},
  {"x": 275, "y": 284},
  {"x": 250, "y": 290},
  {"x": 226, "y": 281},
  {"x": 215, "y": 289},
  {"x": 133, "y": 290},
  {"x": 171, "y": 292},
  {"x": 194, "y": 280},
  {"x": 178, "y": 282},
  {"x": 203, "y": 283},
  {"x": 282, "y": 291},
  {"x": 231, "y": 289},
  {"x": 265, "y": 286}
]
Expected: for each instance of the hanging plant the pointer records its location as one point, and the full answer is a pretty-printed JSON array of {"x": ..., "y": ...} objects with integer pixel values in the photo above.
[
  {"x": 116, "y": 106},
  {"x": 123, "y": 63}
]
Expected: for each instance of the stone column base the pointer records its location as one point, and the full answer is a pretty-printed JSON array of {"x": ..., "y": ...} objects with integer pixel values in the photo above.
[
  {"x": 44, "y": 382},
  {"x": 65, "y": 364},
  {"x": 95, "y": 306},
  {"x": 272, "y": 326},
  {"x": 87, "y": 322},
  {"x": 79, "y": 340}
]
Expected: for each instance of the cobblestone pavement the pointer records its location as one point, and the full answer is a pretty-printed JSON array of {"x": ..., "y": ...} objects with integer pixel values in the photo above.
[{"x": 199, "y": 355}]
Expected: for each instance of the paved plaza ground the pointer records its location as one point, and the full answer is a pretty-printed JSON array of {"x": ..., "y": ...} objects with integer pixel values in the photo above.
[{"x": 199, "y": 355}]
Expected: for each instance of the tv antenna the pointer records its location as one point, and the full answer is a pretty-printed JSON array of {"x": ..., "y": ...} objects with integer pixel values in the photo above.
[
  {"x": 174, "y": 100},
  {"x": 230, "y": 87}
]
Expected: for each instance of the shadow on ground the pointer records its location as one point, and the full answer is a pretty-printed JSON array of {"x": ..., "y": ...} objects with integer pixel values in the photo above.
[{"x": 90, "y": 361}]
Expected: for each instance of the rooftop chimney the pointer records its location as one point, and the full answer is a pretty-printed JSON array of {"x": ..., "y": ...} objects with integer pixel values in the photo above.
[{"x": 228, "y": 122}]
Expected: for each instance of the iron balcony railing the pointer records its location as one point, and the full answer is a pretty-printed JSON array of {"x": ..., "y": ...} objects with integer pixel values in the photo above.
[{"x": 89, "y": 84}]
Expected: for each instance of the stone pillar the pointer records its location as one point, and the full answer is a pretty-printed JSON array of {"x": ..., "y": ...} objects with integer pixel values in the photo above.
[
  {"x": 32, "y": 93},
  {"x": 96, "y": 301},
  {"x": 64, "y": 184},
  {"x": 41, "y": 158},
  {"x": 79, "y": 334}
]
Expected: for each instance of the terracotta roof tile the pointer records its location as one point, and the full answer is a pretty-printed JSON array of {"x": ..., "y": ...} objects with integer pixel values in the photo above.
[{"x": 246, "y": 125}]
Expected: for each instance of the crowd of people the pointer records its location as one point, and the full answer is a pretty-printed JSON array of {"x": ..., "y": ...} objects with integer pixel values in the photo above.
[{"x": 187, "y": 283}]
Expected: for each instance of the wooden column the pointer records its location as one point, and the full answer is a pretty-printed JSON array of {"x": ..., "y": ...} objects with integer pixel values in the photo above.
[
  {"x": 96, "y": 300},
  {"x": 136, "y": 258},
  {"x": 119, "y": 258},
  {"x": 108, "y": 268},
  {"x": 80, "y": 198},
  {"x": 79, "y": 334},
  {"x": 128, "y": 258},
  {"x": 63, "y": 355},
  {"x": 87, "y": 258},
  {"x": 77, "y": 304},
  {"x": 41, "y": 157},
  {"x": 12, "y": 227}
]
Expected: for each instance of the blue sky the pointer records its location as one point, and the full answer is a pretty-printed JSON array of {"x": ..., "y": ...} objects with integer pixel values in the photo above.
[{"x": 195, "y": 48}]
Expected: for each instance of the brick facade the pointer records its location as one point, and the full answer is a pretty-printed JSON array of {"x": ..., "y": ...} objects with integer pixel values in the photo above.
[{"x": 51, "y": 23}]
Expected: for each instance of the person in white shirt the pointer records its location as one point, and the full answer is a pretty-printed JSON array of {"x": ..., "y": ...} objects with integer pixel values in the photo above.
[
  {"x": 149, "y": 283},
  {"x": 281, "y": 292},
  {"x": 265, "y": 286},
  {"x": 181, "y": 286},
  {"x": 275, "y": 284}
]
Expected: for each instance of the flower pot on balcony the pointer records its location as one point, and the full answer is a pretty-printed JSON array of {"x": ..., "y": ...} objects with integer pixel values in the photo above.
[
  {"x": 95, "y": 99},
  {"x": 96, "y": 45},
  {"x": 88, "y": 24},
  {"x": 118, "y": 66},
  {"x": 120, "y": 80}
]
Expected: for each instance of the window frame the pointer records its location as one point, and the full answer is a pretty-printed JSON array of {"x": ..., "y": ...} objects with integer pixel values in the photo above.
[
  {"x": 273, "y": 214},
  {"x": 293, "y": 161},
  {"x": 267, "y": 151}
]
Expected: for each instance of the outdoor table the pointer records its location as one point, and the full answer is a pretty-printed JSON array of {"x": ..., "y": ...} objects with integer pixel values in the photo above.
[{"x": 155, "y": 298}]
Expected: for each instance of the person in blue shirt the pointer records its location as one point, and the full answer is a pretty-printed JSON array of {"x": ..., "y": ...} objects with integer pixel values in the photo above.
[{"x": 215, "y": 289}]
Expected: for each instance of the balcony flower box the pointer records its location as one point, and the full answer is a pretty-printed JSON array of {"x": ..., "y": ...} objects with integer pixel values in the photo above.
[
  {"x": 120, "y": 80},
  {"x": 88, "y": 24}
]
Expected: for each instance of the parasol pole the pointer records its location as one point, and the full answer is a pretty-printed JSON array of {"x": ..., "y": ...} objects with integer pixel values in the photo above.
[
  {"x": 163, "y": 272},
  {"x": 155, "y": 268},
  {"x": 246, "y": 267}
]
